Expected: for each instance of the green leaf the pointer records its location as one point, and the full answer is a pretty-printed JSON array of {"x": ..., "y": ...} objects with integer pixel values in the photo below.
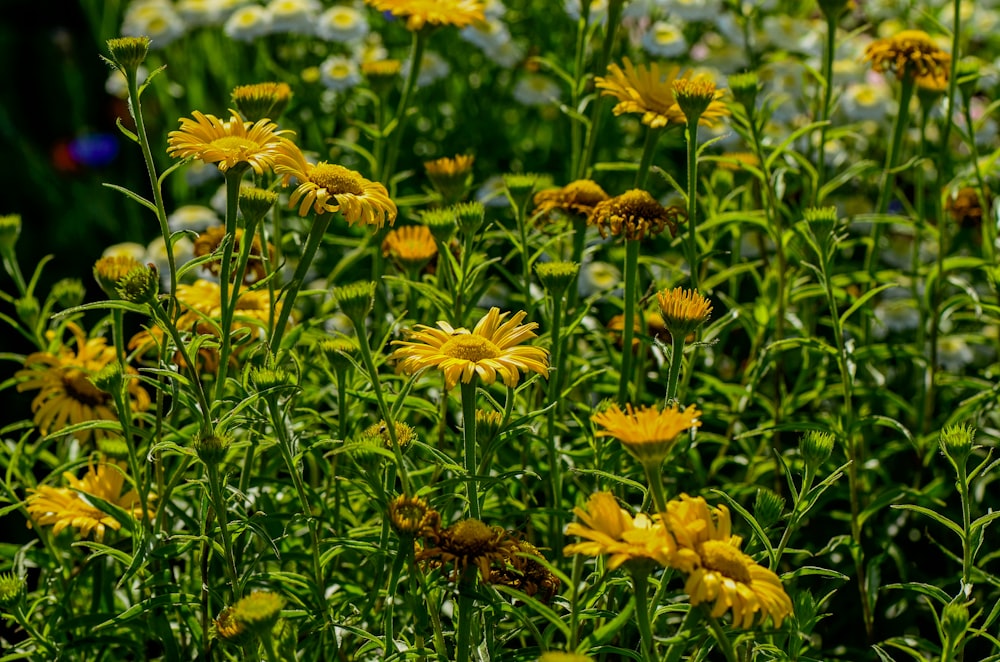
[{"x": 937, "y": 517}]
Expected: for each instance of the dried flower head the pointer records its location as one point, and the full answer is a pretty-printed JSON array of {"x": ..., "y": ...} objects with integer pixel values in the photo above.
[
  {"x": 909, "y": 53},
  {"x": 634, "y": 215},
  {"x": 577, "y": 199},
  {"x": 469, "y": 543},
  {"x": 411, "y": 516}
]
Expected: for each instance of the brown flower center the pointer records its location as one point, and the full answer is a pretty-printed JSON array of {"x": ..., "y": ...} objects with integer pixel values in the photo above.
[
  {"x": 336, "y": 179},
  {"x": 471, "y": 537},
  {"x": 725, "y": 559},
  {"x": 470, "y": 348},
  {"x": 82, "y": 390}
]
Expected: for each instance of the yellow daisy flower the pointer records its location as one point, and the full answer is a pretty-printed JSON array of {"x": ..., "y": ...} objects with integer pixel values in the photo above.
[
  {"x": 66, "y": 395},
  {"x": 718, "y": 571},
  {"x": 419, "y": 13},
  {"x": 491, "y": 348},
  {"x": 327, "y": 187},
  {"x": 908, "y": 53},
  {"x": 63, "y": 507},
  {"x": 226, "y": 143},
  {"x": 643, "y": 89},
  {"x": 683, "y": 310},
  {"x": 647, "y": 433},
  {"x": 410, "y": 246},
  {"x": 609, "y": 529}
]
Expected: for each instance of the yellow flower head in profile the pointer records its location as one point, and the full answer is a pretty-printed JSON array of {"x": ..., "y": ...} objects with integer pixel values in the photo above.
[
  {"x": 451, "y": 176},
  {"x": 410, "y": 246},
  {"x": 718, "y": 571},
  {"x": 683, "y": 310},
  {"x": 227, "y": 143},
  {"x": 699, "y": 99},
  {"x": 643, "y": 89},
  {"x": 647, "y": 433},
  {"x": 66, "y": 394},
  {"x": 64, "y": 507},
  {"x": 634, "y": 214},
  {"x": 609, "y": 529},
  {"x": 419, "y": 13},
  {"x": 577, "y": 198},
  {"x": 909, "y": 53},
  {"x": 492, "y": 348},
  {"x": 327, "y": 187}
]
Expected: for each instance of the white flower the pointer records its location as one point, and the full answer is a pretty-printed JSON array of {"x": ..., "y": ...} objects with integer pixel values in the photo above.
[
  {"x": 954, "y": 353},
  {"x": 433, "y": 68},
  {"x": 248, "y": 23},
  {"x": 599, "y": 278},
  {"x": 155, "y": 19},
  {"x": 598, "y": 10},
  {"x": 895, "y": 313},
  {"x": 866, "y": 101},
  {"x": 339, "y": 73},
  {"x": 342, "y": 23},
  {"x": 156, "y": 252},
  {"x": 536, "y": 90},
  {"x": 693, "y": 10},
  {"x": 198, "y": 172},
  {"x": 294, "y": 16},
  {"x": 664, "y": 39},
  {"x": 117, "y": 86},
  {"x": 125, "y": 249},
  {"x": 487, "y": 35},
  {"x": 197, "y": 13},
  {"x": 192, "y": 217},
  {"x": 791, "y": 34}
]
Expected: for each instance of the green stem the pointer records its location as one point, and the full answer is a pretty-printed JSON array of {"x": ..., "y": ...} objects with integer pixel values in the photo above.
[
  {"x": 466, "y": 611},
  {"x": 646, "y": 160},
  {"x": 469, "y": 435},
  {"x": 674, "y": 371},
  {"x": 655, "y": 479},
  {"x": 552, "y": 396},
  {"x": 229, "y": 312},
  {"x": 160, "y": 315},
  {"x": 677, "y": 648},
  {"x": 320, "y": 224},
  {"x": 829, "y": 53},
  {"x": 967, "y": 544},
  {"x": 417, "y": 45},
  {"x": 725, "y": 645},
  {"x": 135, "y": 106},
  {"x": 692, "y": 201},
  {"x": 887, "y": 183},
  {"x": 628, "y": 332},
  {"x": 222, "y": 515},
  {"x": 640, "y": 583},
  {"x": 365, "y": 350}
]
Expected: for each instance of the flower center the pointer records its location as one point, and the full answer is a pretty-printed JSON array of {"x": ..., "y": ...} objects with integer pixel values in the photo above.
[
  {"x": 726, "y": 559},
  {"x": 470, "y": 347},
  {"x": 336, "y": 179},
  {"x": 82, "y": 390},
  {"x": 235, "y": 144},
  {"x": 470, "y": 537}
]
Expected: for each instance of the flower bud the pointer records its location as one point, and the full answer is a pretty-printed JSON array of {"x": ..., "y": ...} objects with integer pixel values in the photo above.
[
  {"x": 767, "y": 507},
  {"x": 745, "y": 87},
  {"x": 212, "y": 449},
  {"x": 556, "y": 277},
  {"x": 68, "y": 292},
  {"x": 141, "y": 285},
  {"x": 10, "y": 230},
  {"x": 469, "y": 216},
  {"x": 12, "y": 590},
  {"x": 259, "y": 611},
  {"x": 954, "y": 620},
  {"x": 355, "y": 301},
  {"x": 956, "y": 442},
  {"x": 261, "y": 100},
  {"x": 254, "y": 203},
  {"x": 816, "y": 447}
]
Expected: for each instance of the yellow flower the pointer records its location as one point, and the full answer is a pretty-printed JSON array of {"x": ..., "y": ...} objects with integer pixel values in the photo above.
[
  {"x": 609, "y": 529},
  {"x": 327, "y": 187},
  {"x": 683, "y": 310},
  {"x": 908, "y": 53},
  {"x": 698, "y": 98},
  {"x": 63, "y": 507},
  {"x": 209, "y": 241},
  {"x": 644, "y": 89},
  {"x": 412, "y": 245},
  {"x": 577, "y": 198},
  {"x": 634, "y": 214},
  {"x": 647, "y": 433},
  {"x": 262, "y": 100},
  {"x": 718, "y": 571},
  {"x": 419, "y": 13},
  {"x": 66, "y": 394},
  {"x": 491, "y": 348},
  {"x": 450, "y": 176},
  {"x": 226, "y": 143},
  {"x": 413, "y": 516}
]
